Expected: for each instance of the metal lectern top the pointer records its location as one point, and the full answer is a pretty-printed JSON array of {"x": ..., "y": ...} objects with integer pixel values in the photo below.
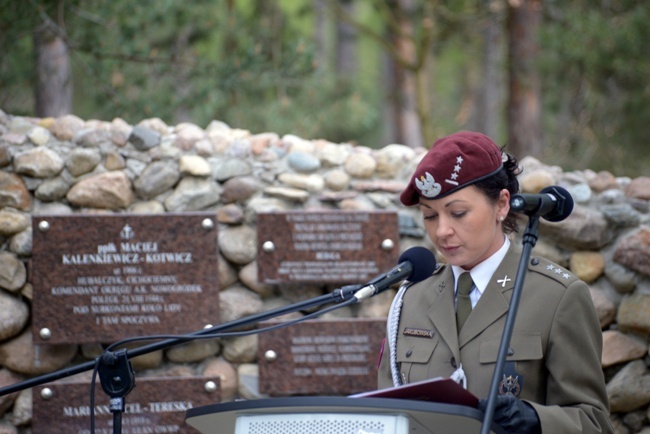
[{"x": 423, "y": 417}]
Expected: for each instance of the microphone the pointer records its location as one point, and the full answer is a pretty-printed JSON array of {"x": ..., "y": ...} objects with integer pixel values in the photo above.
[
  {"x": 415, "y": 264},
  {"x": 552, "y": 203}
]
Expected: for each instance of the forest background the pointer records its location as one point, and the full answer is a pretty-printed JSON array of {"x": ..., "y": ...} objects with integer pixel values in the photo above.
[{"x": 563, "y": 81}]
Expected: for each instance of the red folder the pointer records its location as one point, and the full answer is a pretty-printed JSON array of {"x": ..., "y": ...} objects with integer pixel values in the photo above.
[{"x": 442, "y": 390}]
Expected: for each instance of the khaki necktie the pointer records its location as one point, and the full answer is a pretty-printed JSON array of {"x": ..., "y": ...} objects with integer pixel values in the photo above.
[{"x": 463, "y": 302}]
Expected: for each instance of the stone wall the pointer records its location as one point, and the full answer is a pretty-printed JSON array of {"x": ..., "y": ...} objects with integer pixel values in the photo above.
[{"x": 68, "y": 165}]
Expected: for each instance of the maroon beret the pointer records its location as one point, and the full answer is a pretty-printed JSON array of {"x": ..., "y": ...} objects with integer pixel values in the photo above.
[{"x": 453, "y": 162}]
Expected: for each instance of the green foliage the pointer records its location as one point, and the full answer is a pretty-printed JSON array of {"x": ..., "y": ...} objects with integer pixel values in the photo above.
[
  {"x": 16, "y": 75},
  {"x": 249, "y": 63},
  {"x": 324, "y": 108},
  {"x": 254, "y": 65},
  {"x": 596, "y": 64}
]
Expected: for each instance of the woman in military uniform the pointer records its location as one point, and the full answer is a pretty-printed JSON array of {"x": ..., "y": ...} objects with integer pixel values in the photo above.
[{"x": 553, "y": 380}]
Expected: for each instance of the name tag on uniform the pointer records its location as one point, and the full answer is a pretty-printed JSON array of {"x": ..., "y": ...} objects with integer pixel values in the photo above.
[{"x": 418, "y": 333}]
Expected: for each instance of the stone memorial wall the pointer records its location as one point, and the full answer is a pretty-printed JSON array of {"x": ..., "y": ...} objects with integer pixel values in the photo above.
[{"x": 70, "y": 167}]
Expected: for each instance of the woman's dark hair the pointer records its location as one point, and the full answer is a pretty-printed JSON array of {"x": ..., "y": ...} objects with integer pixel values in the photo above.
[{"x": 505, "y": 178}]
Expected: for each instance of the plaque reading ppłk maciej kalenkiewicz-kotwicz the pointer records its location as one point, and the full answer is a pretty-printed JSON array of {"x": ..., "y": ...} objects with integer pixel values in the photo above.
[
  {"x": 326, "y": 246},
  {"x": 101, "y": 278}
]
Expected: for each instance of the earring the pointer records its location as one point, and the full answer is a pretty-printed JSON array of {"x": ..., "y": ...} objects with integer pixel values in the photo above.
[{"x": 501, "y": 218}]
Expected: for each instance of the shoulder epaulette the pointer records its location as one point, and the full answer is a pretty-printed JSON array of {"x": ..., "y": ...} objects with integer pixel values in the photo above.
[
  {"x": 551, "y": 270},
  {"x": 439, "y": 268}
]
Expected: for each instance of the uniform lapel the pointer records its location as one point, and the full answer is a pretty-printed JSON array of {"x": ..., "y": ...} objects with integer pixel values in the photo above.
[
  {"x": 494, "y": 303},
  {"x": 442, "y": 312}
]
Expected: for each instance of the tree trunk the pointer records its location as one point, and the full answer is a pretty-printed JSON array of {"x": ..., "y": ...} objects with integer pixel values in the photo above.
[
  {"x": 490, "y": 92},
  {"x": 390, "y": 108},
  {"x": 524, "y": 106},
  {"x": 346, "y": 44},
  {"x": 53, "y": 91},
  {"x": 408, "y": 125},
  {"x": 321, "y": 19}
]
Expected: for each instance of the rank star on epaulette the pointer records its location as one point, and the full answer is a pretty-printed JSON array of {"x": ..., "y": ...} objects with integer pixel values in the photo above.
[{"x": 558, "y": 270}]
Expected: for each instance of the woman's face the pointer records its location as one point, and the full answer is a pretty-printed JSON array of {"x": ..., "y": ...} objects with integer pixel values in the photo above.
[{"x": 465, "y": 226}]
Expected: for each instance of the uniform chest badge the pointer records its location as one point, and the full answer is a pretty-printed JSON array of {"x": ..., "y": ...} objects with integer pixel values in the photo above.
[
  {"x": 509, "y": 385},
  {"x": 512, "y": 382}
]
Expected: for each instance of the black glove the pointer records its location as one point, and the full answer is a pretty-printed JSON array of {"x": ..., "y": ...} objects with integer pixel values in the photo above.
[{"x": 513, "y": 415}]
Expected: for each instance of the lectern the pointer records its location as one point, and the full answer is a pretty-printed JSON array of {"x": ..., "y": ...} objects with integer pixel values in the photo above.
[{"x": 336, "y": 415}]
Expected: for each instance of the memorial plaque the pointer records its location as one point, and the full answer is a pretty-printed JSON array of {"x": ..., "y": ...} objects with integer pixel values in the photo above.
[
  {"x": 320, "y": 357},
  {"x": 153, "y": 406},
  {"x": 101, "y": 278},
  {"x": 326, "y": 246}
]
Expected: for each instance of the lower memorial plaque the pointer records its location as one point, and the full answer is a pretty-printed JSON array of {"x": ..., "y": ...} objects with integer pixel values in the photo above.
[
  {"x": 325, "y": 246},
  {"x": 100, "y": 278},
  {"x": 153, "y": 406},
  {"x": 331, "y": 357}
]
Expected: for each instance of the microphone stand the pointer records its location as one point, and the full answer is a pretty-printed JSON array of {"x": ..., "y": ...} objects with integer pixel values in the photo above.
[
  {"x": 529, "y": 240},
  {"x": 115, "y": 371}
]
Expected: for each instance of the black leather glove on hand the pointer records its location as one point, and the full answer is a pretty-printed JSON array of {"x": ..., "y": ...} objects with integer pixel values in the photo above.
[{"x": 513, "y": 415}]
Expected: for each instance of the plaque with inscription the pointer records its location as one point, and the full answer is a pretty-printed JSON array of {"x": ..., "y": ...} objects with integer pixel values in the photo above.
[
  {"x": 101, "y": 278},
  {"x": 326, "y": 246},
  {"x": 155, "y": 405},
  {"x": 320, "y": 357}
]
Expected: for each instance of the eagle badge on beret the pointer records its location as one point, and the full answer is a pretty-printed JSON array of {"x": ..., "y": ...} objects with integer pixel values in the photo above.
[{"x": 428, "y": 185}]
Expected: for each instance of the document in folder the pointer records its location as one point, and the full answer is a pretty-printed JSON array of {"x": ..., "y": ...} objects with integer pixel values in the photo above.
[{"x": 442, "y": 390}]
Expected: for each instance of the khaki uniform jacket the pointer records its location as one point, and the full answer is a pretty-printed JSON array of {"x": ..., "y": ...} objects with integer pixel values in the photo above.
[{"x": 556, "y": 344}]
